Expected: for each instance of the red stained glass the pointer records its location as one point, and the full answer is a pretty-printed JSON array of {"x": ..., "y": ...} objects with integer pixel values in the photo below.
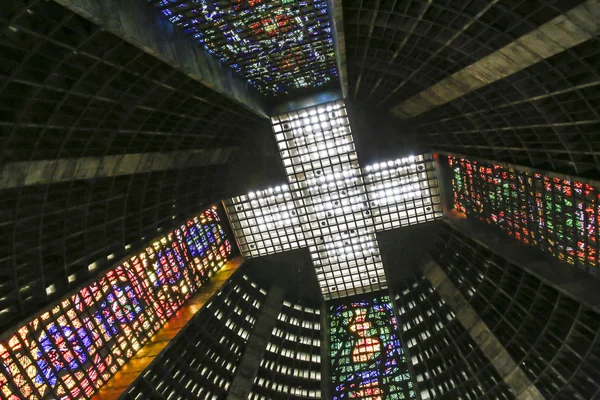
[{"x": 557, "y": 215}]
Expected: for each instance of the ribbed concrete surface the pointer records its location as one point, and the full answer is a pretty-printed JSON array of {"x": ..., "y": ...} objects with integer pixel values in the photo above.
[
  {"x": 576, "y": 26},
  {"x": 41, "y": 172}
]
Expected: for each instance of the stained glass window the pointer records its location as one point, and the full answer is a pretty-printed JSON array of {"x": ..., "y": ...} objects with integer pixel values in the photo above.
[
  {"x": 71, "y": 350},
  {"x": 366, "y": 357},
  {"x": 276, "y": 45},
  {"x": 556, "y": 215}
]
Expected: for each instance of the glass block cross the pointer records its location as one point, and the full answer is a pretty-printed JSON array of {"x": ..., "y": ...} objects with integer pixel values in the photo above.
[{"x": 332, "y": 206}]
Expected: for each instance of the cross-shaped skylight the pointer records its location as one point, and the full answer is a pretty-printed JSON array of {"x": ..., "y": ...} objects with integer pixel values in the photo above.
[{"x": 330, "y": 204}]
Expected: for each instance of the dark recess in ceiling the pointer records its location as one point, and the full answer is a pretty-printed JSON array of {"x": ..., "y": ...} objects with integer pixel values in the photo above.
[
  {"x": 293, "y": 271},
  {"x": 379, "y": 136},
  {"x": 403, "y": 250}
]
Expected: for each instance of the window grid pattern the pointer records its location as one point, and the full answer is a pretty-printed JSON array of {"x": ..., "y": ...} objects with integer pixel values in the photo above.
[
  {"x": 403, "y": 192},
  {"x": 446, "y": 362},
  {"x": 201, "y": 362},
  {"x": 72, "y": 350},
  {"x": 554, "y": 338},
  {"x": 277, "y": 45},
  {"x": 366, "y": 355},
  {"x": 321, "y": 163},
  {"x": 330, "y": 205},
  {"x": 291, "y": 366},
  {"x": 265, "y": 222},
  {"x": 556, "y": 215}
]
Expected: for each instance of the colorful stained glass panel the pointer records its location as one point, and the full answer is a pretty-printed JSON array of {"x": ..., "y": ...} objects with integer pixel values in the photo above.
[
  {"x": 70, "y": 351},
  {"x": 366, "y": 357}
]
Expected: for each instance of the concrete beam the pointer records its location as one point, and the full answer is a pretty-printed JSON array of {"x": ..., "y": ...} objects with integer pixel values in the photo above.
[
  {"x": 141, "y": 25},
  {"x": 563, "y": 32},
  {"x": 492, "y": 349},
  {"x": 28, "y": 173},
  {"x": 565, "y": 278},
  {"x": 532, "y": 99},
  {"x": 293, "y": 103},
  {"x": 257, "y": 344},
  {"x": 325, "y": 351},
  {"x": 336, "y": 15}
]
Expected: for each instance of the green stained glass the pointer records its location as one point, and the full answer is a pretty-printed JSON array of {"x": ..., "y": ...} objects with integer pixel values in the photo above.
[
  {"x": 534, "y": 208},
  {"x": 367, "y": 361}
]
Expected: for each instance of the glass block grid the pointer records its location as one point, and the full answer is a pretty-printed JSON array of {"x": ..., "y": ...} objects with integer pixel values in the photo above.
[
  {"x": 332, "y": 206},
  {"x": 265, "y": 222},
  {"x": 321, "y": 163},
  {"x": 366, "y": 357},
  {"x": 70, "y": 351},
  {"x": 556, "y": 215},
  {"x": 276, "y": 45},
  {"x": 403, "y": 192}
]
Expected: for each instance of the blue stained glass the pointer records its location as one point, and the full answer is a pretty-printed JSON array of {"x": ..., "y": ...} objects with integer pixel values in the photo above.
[
  {"x": 285, "y": 35},
  {"x": 57, "y": 349}
]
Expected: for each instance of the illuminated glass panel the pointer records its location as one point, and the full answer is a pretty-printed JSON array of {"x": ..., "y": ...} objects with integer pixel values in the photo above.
[
  {"x": 403, "y": 192},
  {"x": 265, "y": 222},
  {"x": 332, "y": 206},
  {"x": 277, "y": 45},
  {"x": 366, "y": 357},
  {"x": 70, "y": 351},
  {"x": 559, "y": 216}
]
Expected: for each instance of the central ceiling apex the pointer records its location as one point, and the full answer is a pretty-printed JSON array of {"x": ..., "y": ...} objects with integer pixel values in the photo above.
[{"x": 276, "y": 45}]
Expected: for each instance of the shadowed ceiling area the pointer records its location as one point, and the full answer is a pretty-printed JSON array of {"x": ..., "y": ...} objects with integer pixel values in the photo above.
[
  {"x": 545, "y": 115},
  {"x": 105, "y": 146}
]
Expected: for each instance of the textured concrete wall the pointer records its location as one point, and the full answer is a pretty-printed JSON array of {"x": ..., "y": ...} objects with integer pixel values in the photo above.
[
  {"x": 571, "y": 281},
  {"x": 491, "y": 347},
  {"x": 336, "y": 15},
  {"x": 576, "y": 26},
  {"x": 41, "y": 172},
  {"x": 141, "y": 25},
  {"x": 257, "y": 343}
]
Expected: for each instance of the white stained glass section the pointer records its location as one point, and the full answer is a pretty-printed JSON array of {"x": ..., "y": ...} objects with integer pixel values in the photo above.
[
  {"x": 265, "y": 222},
  {"x": 326, "y": 183},
  {"x": 403, "y": 192}
]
